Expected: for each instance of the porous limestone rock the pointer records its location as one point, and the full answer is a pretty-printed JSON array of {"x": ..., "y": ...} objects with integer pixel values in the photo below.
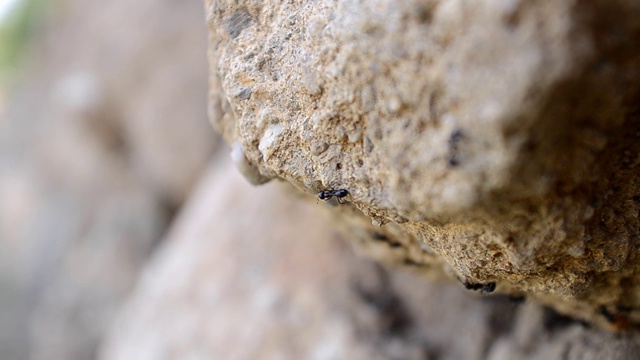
[{"x": 495, "y": 141}]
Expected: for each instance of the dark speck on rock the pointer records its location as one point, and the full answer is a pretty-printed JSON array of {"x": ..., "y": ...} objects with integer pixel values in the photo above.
[
  {"x": 244, "y": 94},
  {"x": 237, "y": 22}
]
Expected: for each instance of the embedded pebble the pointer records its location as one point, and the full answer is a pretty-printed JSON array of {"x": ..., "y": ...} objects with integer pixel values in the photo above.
[
  {"x": 368, "y": 98},
  {"x": 244, "y": 94},
  {"x": 355, "y": 136},
  {"x": 400, "y": 220},
  {"x": 394, "y": 104},
  {"x": 318, "y": 148},
  {"x": 263, "y": 118},
  {"x": 310, "y": 81},
  {"x": 250, "y": 172},
  {"x": 316, "y": 119},
  {"x": 268, "y": 142}
]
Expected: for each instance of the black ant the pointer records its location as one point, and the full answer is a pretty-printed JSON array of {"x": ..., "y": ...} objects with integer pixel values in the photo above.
[
  {"x": 484, "y": 288},
  {"x": 326, "y": 195}
]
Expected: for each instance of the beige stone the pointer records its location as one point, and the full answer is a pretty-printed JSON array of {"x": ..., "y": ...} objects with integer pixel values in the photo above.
[{"x": 494, "y": 141}]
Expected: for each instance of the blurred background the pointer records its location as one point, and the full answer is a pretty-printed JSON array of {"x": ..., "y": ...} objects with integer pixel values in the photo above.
[{"x": 103, "y": 133}]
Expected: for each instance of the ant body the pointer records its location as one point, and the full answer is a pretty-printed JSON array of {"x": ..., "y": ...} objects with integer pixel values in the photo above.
[
  {"x": 484, "y": 288},
  {"x": 326, "y": 195}
]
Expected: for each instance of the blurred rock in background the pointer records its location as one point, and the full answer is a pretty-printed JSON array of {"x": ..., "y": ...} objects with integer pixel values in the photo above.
[{"x": 103, "y": 132}]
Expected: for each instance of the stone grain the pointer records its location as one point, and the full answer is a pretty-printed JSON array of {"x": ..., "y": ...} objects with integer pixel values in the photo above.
[{"x": 497, "y": 140}]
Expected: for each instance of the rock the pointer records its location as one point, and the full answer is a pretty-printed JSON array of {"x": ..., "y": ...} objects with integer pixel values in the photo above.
[
  {"x": 237, "y": 279},
  {"x": 496, "y": 143}
]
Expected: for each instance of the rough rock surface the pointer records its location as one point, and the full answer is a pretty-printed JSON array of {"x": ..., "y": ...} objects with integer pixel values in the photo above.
[
  {"x": 495, "y": 141},
  {"x": 238, "y": 280}
]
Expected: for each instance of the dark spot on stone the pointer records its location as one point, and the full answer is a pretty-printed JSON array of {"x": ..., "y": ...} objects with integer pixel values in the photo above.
[
  {"x": 410, "y": 262},
  {"x": 512, "y": 20},
  {"x": 360, "y": 162},
  {"x": 584, "y": 324},
  {"x": 602, "y": 310},
  {"x": 261, "y": 64},
  {"x": 383, "y": 238},
  {"x": 374, "y": 30},
  {"x": 237, "y": 22},
  {"x": 553, "y": 321},
  {"x": 424, "y": 13},
  {"x": 338, "y": 166},
  {"x": 625, "y": 309},
  {"x": 433, "y": 106},
  {"x": 379, "y": 236},
  {"x": 392, "y": 315},
  {"x": 517, "y": 299},
  {"x": 400, "y": 220},
  {"x": 244, "y": 94},
  {"x": 455, "y": 139},
  {"x": 318, "y": 148},
  {"x": 368, "y": 145}
]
